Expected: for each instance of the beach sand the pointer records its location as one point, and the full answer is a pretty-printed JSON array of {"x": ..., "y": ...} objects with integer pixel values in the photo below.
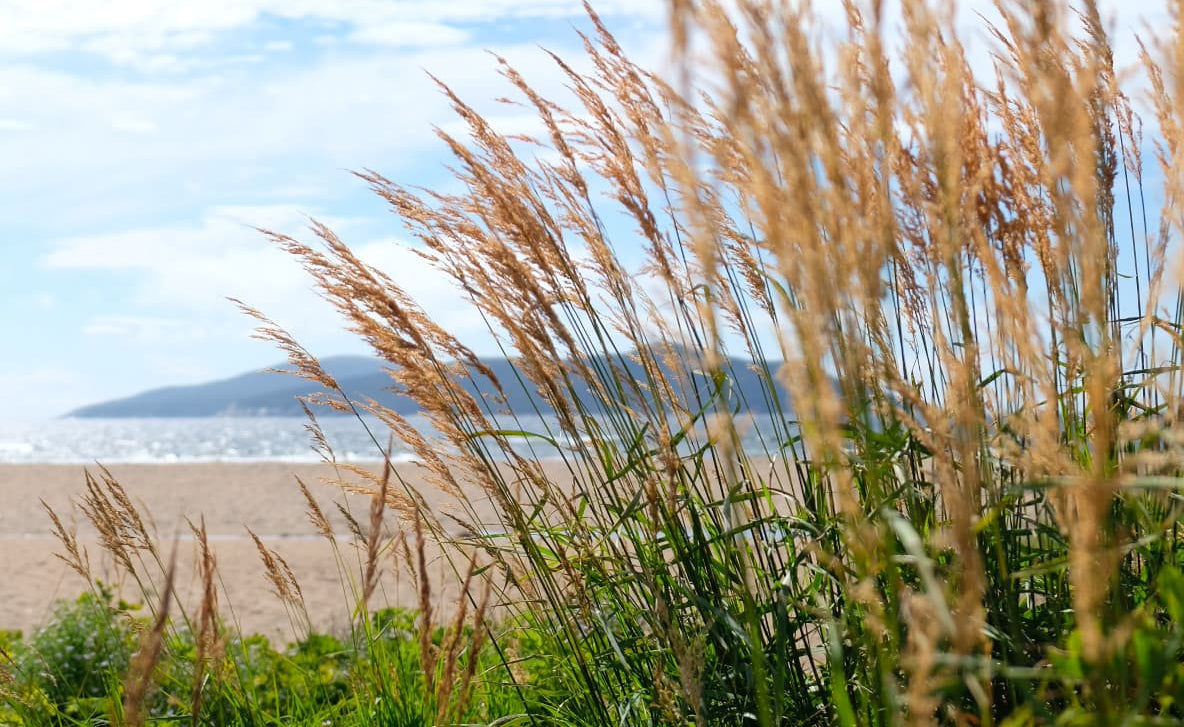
[{"x": 231, "y": 497}]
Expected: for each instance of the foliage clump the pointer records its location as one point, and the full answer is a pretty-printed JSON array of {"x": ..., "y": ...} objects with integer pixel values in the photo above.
[{"x": 71, "y": 664}]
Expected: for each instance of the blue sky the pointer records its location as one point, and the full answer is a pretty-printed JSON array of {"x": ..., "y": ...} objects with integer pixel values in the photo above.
[{"x": 141, "y": 139}]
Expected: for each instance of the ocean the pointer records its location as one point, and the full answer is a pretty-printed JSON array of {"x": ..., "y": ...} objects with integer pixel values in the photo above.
[
  {"x": 255, "y": 439},
  {"x": 244, "y": 439},
  {"x": 214, "y": 439}
]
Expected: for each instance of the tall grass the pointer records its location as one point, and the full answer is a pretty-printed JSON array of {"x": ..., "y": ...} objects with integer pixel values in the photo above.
[
  {"x": 964, "y": 511},
  {"x": 960, "y": 303}
]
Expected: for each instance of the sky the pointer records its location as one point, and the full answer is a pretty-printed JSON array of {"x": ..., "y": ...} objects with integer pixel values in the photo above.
[{"x": 142, "y": 141}]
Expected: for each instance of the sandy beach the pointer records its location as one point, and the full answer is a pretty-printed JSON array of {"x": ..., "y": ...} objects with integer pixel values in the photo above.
[{"x": 232, "y": 497}]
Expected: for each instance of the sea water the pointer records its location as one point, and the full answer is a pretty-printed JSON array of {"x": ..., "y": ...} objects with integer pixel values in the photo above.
[
  {"x": 272, "y": 439},
  {"x": 213, "y": 439}
]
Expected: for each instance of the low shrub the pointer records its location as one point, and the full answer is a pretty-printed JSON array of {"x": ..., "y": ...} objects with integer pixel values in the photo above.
[{"x": 79, "y": 657}]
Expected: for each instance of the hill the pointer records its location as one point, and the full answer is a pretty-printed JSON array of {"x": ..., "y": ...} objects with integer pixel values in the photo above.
[{"x": 275, "y": 394}]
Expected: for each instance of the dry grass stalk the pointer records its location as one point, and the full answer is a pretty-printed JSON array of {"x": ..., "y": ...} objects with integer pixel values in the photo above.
[
  {"x": 319, "y": 443},
  {"x": 283, "y": 579},
  {"x": 355, "y": 528},
  {"x": 139, "y": 679},
  {"x": 450, "y": 647},
  {"x": 427, "y": 654},
  {"x": 76, "y": 556},
  {"x": 374, "y": 535},
  {"x": 121, "y": 529},
  {"x": 123, "y": 533},
  {"x": 403, "y": 500},
  {"x": 303, "y": 363},
  {"x": 209, "y": 644},
  {"x": 403, "y": 550},
  {"x": 315, "y": 515},
  {"x": 920, "y": 661},
  {"x": 480, "y": 634}
]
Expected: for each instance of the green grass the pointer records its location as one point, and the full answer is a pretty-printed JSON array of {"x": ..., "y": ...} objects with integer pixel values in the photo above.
[{"x": 71, "y": 672}]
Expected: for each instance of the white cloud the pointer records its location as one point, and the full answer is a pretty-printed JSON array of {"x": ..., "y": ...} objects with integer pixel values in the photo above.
[
  {"x": 223, "y": 231},
  {"x": 133, "y": 125},
  {"x": 409, "y": 34},
  {"x": 123, "y": 30},
  {"x": 88, "y": 153},
  {"x": 188, "y": 272},
  {"x": 181, "y": 275},
  {"x": 143, "y": 327}
]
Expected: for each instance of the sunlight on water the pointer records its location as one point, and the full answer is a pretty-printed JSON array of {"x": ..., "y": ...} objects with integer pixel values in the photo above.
[
  {"x": 238, "y": 439},
  {"x": 283, "y": 439}
]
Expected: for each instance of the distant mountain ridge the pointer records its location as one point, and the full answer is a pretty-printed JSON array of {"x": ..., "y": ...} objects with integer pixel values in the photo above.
[{"x": 276, "y": 394}]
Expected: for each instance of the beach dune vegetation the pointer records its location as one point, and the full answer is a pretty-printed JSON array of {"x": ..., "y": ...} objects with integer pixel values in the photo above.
[{"x": 959, "y": 285}]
